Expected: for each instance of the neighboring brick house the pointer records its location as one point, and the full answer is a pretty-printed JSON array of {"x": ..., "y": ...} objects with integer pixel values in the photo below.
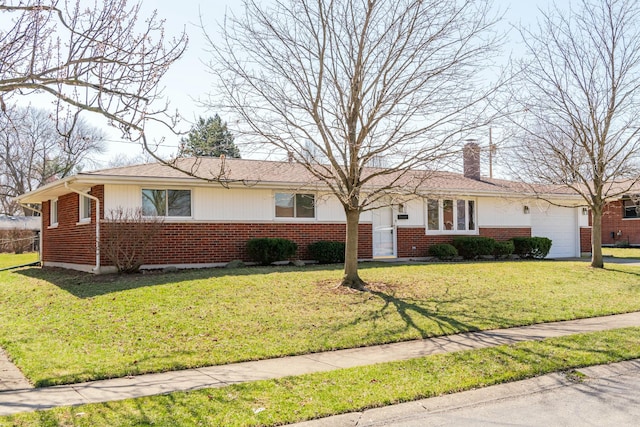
[
  {"x": 621, "y": 222},
  {"x": 208, "y": 224}
]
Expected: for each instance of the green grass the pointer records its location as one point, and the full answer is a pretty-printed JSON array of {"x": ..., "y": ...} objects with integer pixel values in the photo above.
[
  {"x": 10, "y": 260},
  {"x": 317, "y": 395},
  {"x": 622, "y": 252},
  {"x": 63, "y": 327}
]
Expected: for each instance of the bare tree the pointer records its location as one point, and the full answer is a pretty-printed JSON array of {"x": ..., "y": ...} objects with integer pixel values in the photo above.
[
  {"x": 101, "y": 58},
  {"x": 33, "y": 151},
  {"x": 337, "y": 85},
  {"x": 578, "y": 94}
]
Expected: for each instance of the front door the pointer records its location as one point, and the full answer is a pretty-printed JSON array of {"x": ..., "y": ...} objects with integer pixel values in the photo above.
[{"x": 384, "y": 233}]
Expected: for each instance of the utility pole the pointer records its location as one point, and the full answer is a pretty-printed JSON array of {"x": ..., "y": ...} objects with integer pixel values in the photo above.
[{"x": 490, "y": 155}]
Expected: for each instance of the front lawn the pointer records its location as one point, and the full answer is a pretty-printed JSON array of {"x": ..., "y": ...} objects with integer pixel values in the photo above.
[
  {"x": 633, "y": 253},
  {"x": 10, "y": 260},
  {"x": 291, "y": 399},
  {"x": 62, "y": 327}
]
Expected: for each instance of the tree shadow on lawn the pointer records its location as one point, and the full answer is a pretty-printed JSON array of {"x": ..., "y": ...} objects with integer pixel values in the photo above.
[
  {"x": 417, "y": 316},
  {"x": 404, "y": 307},
  {"x": 560, "y": 350},
  {"x": 87, "y": 285},
  {"x": 609, "y": 267}
]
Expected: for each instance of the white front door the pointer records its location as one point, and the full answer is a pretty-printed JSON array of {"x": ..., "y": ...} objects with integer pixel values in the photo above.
[{"x": 384, "y": 233}]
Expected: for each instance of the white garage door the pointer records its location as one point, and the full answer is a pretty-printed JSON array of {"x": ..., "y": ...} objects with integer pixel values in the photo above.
[{"x": 559, "y": 225}]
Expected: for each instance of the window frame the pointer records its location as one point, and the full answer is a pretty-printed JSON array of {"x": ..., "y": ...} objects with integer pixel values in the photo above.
[
  {"x": 166, "y": 204},
  {"x": 470, "y": 216},
  {"x": 295, "y": 216},
  {"x": 625, "y": 200},
  {"x": 84, "y": 211},
  {"x": 53, "y": 213}
]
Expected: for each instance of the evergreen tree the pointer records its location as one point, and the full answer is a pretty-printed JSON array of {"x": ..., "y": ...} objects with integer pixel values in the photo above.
[{"x": 209, "y": 138}]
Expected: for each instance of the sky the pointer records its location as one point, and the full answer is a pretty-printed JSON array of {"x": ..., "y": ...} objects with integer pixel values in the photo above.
[{"x": 187, "y": 80}]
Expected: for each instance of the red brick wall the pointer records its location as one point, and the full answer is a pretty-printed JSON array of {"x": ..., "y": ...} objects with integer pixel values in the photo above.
[
  {"x": 585, "y": 239},
  {"x": 612, "y": 221},
  {"x": 97, "y": 191},
  {"x": 201, "y": 243},
  {"x": 410, "y": 238},
  {"x": 68, "y": 242}
]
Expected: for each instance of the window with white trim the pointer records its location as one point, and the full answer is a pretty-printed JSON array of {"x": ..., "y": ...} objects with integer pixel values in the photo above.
[
  {"x": 631, "y": 207},
  {"x": 295, "y": 205},
  {"x": 85, "y": 209},
  {"x": 451, "y": 216},
  {"x": 53, "y": 213},
  {"x": 171, "y": 203}
]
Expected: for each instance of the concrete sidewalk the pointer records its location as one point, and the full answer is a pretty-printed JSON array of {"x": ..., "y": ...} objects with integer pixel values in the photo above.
[{"x": 31, "y": 399}]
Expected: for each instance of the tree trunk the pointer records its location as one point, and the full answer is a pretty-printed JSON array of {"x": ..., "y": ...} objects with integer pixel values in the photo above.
[
  {"x": 596, "y": 238},
  {"x": 351, "y": 278}
]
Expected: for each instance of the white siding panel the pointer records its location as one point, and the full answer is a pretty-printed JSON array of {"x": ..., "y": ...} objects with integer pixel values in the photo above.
[
  {"x": 416, "y": 211},
  {"x": 329, "y": 209},
  {"x": 583, "y": 219},
  {"x": 233, "y": 204},
  {"x": 501, "y": 212},
  {"x": 127, "y": 197}
]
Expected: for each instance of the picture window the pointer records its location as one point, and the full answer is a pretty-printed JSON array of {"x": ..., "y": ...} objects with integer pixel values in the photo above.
[
  {"x": 169, "y": 203},
  {"x": 295, "y": 205}
]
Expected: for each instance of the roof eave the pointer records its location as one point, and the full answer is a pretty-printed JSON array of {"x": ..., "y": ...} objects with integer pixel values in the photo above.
[{"x": 46, "y": 192}]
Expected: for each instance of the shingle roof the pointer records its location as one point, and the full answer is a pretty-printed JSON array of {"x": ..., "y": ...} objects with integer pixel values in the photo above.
[
  {"x": 259, "y": 171},
  {"x": 241, "y": 172}
]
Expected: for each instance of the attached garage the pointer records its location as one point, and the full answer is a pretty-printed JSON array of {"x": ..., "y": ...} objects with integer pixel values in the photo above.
[{"x": 560, "y": 224}]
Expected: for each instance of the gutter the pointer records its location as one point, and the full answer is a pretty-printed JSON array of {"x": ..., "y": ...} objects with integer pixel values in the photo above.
[
  {"x": 25, "y": 206},
  {"x": 95, "y": 269}
]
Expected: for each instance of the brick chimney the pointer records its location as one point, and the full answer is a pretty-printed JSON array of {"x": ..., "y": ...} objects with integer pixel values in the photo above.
[{"x": 471, "y": 159}]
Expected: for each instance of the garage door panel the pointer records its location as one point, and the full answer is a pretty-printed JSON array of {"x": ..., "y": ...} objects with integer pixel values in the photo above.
[{"x": 558, "y": 224}]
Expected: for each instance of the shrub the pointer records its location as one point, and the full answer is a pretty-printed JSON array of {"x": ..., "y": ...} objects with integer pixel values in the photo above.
[
  {"x": 127, "y": 236},
  {"x": 326, "y": 252},
  {"x": 622, "y": 244},
  {"x": 531, "y": 247},
  {"x": 443, "y": 251},
  {"x": 268, "y": 250},
  {"x": 503, "y": 249},
  {"x": 470, "y": 247}
]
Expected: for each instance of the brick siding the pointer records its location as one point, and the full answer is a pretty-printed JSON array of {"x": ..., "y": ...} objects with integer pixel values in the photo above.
[
  {"x": 203, "y": 243},
  {"x": 612, "y": 221},
  {"x": 69, "y": 242},
  {"x": 585, "y": 239}
]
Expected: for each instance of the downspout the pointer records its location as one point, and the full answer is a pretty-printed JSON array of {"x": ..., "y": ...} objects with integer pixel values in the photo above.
[
  {"x": 41, "y": 230},
  {"x": 96, "y": 269}
]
